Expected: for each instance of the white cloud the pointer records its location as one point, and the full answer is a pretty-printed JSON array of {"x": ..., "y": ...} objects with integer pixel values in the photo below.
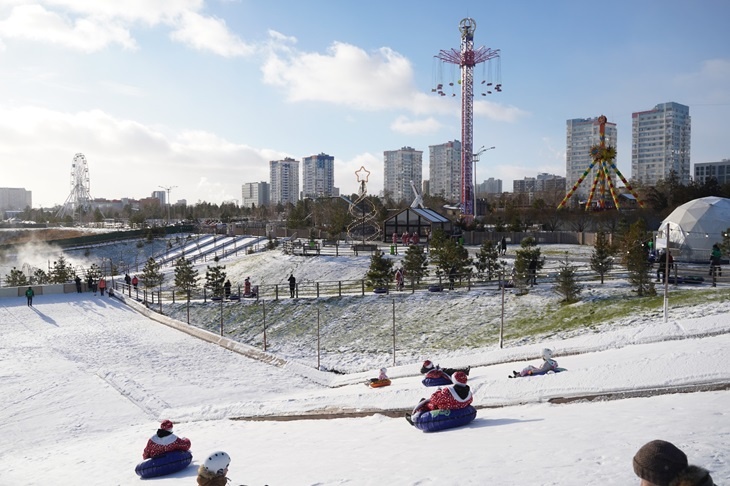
[
  {"x": 711, "y": 82},
  {"x": 404, "y": 125},
  {"x": 345, "y": 75},
  {"x": 35, "y": 23},
  {"x": 347, "y": 180},
  {"x": 89, "y": 26},
  {"x": 126, "y": 158},
  {"x": 209, "y": 34}
]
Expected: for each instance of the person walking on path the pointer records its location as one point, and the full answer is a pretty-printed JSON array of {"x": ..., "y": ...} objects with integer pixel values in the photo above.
[
  {"x": 504, "y": 246},
  {"x": 395, "y": 242},
  {"x": 135, "y": 282},
  {"x": 127, "y": 279},
  {"x": 292, "y": 285},
  {"x": 715, "y": 260},
  {"x": 78, "y": 284},
  {"x": 102, "y": 286},
  {"x": 29, "y": 295}
]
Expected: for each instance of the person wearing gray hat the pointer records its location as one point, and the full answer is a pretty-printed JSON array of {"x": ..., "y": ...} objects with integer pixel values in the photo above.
[{"x": 661, "y": 463}]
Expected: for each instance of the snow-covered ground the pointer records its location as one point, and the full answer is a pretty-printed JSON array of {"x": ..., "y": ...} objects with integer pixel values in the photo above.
[{"x": 87, "y": 379}]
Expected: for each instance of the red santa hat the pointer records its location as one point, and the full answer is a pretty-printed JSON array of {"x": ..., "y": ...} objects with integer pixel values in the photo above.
[
  {"x": 459, "y": 378},
  {"x": 166, "y": 425},
  {"x": 427, "y": 365}
]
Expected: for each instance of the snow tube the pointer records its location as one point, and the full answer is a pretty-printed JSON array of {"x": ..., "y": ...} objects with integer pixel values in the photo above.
[
  {"x": 163, "y": 464},
  {"x": 436, "y": 420},
  {"x": 435, "y": 288},
  {"x": 380, "y": 290},
  {"x": 440, "y": 381},
  {"x": 379, "y": 383}
]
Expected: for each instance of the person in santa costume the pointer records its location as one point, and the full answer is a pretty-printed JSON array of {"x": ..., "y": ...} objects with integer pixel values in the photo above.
[{"x": 165, "y": 441}]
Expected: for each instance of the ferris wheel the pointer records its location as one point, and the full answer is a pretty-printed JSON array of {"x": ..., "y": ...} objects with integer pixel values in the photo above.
[{"x": 78, "y": 201}]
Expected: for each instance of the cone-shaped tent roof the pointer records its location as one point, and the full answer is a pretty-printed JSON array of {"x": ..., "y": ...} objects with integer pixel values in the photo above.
[{"x": 697, "y": 225}]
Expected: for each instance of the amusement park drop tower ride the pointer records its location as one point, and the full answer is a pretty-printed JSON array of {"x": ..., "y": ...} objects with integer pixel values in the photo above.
[{"x": 467, "y": 58}]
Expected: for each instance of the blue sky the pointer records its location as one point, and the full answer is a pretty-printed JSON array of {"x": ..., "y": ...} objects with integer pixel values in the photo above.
[{"x": 202, "y": 94}]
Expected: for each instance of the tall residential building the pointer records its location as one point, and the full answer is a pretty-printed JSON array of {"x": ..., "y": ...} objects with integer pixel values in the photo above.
[
  {"x": 720, "y": 171},
  {"x": 444, "y": 164},
  {"x": 401, "y": 167},
  {"x": 581, "y": 135},
  {"x": 255, "y": 194},
  {"x": 15, "y": 199},
  {"x": 318, "y": 176},
  {"x": 160, "y": 195},
  {"x": 284, "y": 181},
  {"x": 490, "y": 186},
  {"x": 660, "y": 143}
]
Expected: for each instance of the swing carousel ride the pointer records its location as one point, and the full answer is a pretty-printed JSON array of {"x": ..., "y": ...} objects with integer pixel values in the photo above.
[{"x": 603, "y": 158}]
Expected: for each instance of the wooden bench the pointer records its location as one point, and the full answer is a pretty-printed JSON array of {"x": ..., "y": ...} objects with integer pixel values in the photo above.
[{"x": 364, "y": 247}]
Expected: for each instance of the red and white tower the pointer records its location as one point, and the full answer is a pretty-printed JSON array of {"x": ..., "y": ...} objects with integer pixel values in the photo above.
[{"x": 466, "y": 59}]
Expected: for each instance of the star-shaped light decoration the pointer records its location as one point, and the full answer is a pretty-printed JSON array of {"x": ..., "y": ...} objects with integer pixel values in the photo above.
[{"x": 362, "y": 174}]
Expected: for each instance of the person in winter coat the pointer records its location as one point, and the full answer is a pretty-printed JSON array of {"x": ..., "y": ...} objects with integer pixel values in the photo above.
[
  {"x": 247, "y": 287},
  {"x": 662, "y": 264},
  {"x": 164, "y": 441},
  {"x": 78, "y": 284},
  {"x": 415, "y": 239},
  {"x": 213, "y": 471},
  {"x": 435, "y": 371},
  {"x": 395, "y": 242},
  {"x": 292, "y": 285},
  {"x": 102, "y": 285},
  {"x": 382, "y": 376},
  {"x": 399, "y": 279},
  {"x": 548, "y": 364},
  {"x": 90, "y": 283},
  {"x": 135, "y": 282},
  {"x": 227, "y": 289},
  {"x": 661, "y": 463},
  {"x": 453, "y": 397},
  {"x": 29, "y": 296},
  {"x": 715, "y": 259},
  {"x": 127, "y": 279},
  {"x": 406, "y": 238}
]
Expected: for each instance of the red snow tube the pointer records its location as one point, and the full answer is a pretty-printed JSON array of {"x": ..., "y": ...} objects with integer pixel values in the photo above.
[
  {"x": 436, "y": 420},
  {"x": 164, "y": 464},
  {"x": 379, "y": 383}
]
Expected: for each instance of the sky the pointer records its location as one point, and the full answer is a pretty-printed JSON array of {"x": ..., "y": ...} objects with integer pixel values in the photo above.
[
  {"x": 87, "y": 379},
  {"x": 198, "y": 96}
]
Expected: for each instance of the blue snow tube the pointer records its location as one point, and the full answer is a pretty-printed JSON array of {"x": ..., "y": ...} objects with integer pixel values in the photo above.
[
  {"x": 440, "y": 381},
  {"x": 436, "y": 420},
  {"x": 164, "y": 464}
]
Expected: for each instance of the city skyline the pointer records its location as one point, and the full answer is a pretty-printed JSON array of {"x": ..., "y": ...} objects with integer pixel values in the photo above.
[{"x": 202, "y": 96}]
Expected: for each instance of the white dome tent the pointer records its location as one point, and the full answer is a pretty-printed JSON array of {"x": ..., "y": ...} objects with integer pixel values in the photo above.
[{"x": 697, "y": 225}]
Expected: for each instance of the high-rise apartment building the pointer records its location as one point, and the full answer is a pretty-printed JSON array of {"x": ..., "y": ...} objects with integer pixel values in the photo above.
[
  {"x": 581, "y": 135},
  {"x": 660, "y": 143},
  {"x": 490, "y": 186},
  {"x": 444, "y": 165},
  {"x": 15, "y": 199},
  {"x": 401, "y": 167},
  {"x": 255, "y": 194},
  {"x": 160, "y": 196},
  {"x": 284, "y": 181},
  {"x": 318, "y": 176},
  {"x": 720, "y": 171}
]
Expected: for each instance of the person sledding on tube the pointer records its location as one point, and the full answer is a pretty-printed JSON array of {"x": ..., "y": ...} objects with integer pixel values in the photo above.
[
  {"x": 435, "y": 371},
  {"x": 165, "y": 441},
  {"x": 452, "y": 397},
  {"x": 548, "y": 364}
]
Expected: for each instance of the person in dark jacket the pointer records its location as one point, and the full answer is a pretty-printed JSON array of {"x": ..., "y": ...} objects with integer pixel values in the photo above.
[
  {"x": 661, "y": 463},
  {"x": 292, "y": 285},
  {"x": 29, "y": 296},
  {"x": 227, "y": 289},
  {"x": 78, "y": 284}
]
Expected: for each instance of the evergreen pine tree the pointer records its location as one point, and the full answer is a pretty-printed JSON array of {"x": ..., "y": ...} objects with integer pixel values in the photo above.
[
  {"x": 186, "y": 277},
  {"x": 215, "y": 277},
  {"x": 415, "y": 264},
  {"x": 636, "y": 258},
  {"x": 39, "y": 277},
  {"x": 528, "y": 251},
  {"x": 488, "y": 259},
  {"x": 602, "y": 256},
  {"x": 62, "y": 271},
  {"x": 567, "y": 283},
  {"x": 94, "y": 272},
  {"x": 381, "y": 270},
  {"x": 16, "y": 278},
  {"x": 151, "y": 274}
]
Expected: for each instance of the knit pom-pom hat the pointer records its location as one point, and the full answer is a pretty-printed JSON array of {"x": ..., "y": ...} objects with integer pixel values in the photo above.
[
  {"x": 659, "y": 462},
  {"x": 166, "y": 425}
]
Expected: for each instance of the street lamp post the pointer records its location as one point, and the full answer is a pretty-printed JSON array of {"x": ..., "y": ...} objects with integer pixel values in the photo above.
[{"x": 475, "y": 158}]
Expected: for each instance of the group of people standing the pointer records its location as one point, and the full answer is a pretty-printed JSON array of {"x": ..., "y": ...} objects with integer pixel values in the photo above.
[{"x": 406, "y": 239}]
